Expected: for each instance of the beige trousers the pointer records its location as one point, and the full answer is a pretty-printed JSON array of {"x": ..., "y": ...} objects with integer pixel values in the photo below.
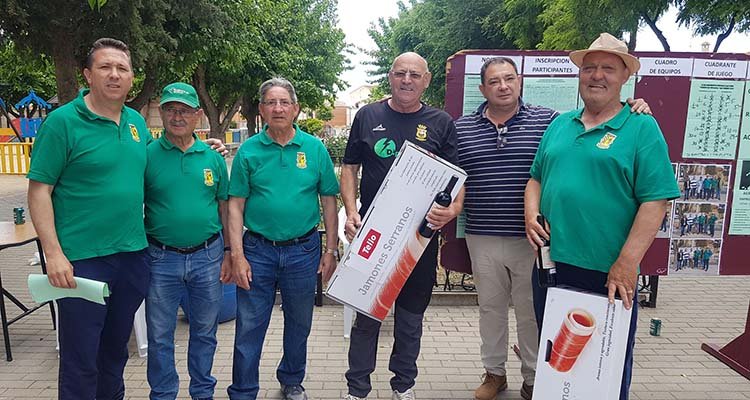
[{"x": 502, "y": 269}]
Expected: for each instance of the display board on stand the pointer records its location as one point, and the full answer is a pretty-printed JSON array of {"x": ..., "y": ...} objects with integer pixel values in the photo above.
[{"x": 702, "y": 104}]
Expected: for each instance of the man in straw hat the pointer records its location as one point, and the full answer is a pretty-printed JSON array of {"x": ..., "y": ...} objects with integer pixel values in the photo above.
[{"x": 601, "y": 158}]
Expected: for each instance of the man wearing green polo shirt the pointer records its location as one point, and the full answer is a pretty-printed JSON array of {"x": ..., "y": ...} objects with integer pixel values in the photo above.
[
  {"x": 86, "y": 201},
  {"x": 277, "y": 177},
  {"x": 186, "y": 191},
  {"x": 601, "y": 160}
]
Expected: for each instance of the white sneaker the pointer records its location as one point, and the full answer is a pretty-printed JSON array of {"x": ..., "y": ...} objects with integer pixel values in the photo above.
[
  {"x": 407, "y": 395},
  {"x": 352, "y": 397}
]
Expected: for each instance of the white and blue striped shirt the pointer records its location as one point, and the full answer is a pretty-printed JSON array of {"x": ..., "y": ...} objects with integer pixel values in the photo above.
[{"x": 499, "y": 169}]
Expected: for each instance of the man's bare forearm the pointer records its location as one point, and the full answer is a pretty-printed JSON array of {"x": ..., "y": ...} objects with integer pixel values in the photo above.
[
  {"x": 330, "y": 220},
  {"x": 235, "y": 222},
  {"x": 642, "y": 233},
  {"x": 224, "y": 217},
  {"x": 349, "y": 183},
  {"x": 43, "y": 217},
  {"x": 531, "y": 197}
]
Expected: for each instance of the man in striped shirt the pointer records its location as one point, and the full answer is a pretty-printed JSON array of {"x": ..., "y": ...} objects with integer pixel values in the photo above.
[{"x": 496, "y": 147}]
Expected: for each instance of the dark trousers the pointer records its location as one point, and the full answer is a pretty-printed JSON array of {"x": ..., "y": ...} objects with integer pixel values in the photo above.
[
  {"x": 407, "y": 332},
  {"x": 592, "y": 281},
  {"x": 94, "y": 337}
]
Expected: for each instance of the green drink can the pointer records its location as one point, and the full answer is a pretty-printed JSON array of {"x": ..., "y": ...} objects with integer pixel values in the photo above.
[{"x": 655, "y": 327}]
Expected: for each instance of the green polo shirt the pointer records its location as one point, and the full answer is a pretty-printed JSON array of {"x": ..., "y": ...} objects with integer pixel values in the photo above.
[
  {"x": 96, "y": 168},
  {"x": 593, "y": 182},
  {"x": 282, "y": 183},
  {"x": 182, "y": 192}
]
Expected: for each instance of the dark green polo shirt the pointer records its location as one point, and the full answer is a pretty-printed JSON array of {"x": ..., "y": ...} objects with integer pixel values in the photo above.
[
  {"x": 593, "y": 182},
  {"x": 282, "y": 184},
  {"x": 96, "y": 168},
  {"x": 182, "y": 192}
]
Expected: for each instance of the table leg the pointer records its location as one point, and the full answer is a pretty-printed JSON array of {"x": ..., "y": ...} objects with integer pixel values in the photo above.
[
  {"x": 4, "y": 320},
  {"x": 44, "y": 271}
]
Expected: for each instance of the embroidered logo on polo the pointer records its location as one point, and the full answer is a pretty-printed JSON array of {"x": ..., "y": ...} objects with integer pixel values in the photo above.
[
  {"x": 134, "y": 133},
  {"x": 301, "y": 160},
  {"x": 385, "y": 148},
  {"x": 421, "y": 133},
  {"x": 606, "y": 140},
  {"x": 208, "y": 177}
]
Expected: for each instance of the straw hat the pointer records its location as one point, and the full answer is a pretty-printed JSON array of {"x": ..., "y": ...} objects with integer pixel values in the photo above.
[{"x": 608, "y": 44}]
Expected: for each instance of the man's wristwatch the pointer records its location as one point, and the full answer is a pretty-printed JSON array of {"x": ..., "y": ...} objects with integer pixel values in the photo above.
[{"x": 335, "y": 252}]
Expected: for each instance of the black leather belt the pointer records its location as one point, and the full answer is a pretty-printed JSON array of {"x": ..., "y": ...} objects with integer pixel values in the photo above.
[
  {"x": 280, "y": 243},
  {"x": 183, "y": 250}
]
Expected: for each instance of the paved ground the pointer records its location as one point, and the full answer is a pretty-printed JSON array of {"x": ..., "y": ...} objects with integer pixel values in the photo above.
[{"x": 672, "y": 366}]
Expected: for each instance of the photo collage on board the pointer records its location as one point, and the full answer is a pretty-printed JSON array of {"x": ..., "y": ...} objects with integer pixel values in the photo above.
[{"x": 698, "y": 219}]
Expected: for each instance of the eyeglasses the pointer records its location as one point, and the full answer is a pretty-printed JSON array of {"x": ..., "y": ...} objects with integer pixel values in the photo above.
[
  {"x": 282, "y": 103},
  {"x": 182, "y": 112},
  {"x": 403, "y": 74},
  {"x": 502, "y": 139}
]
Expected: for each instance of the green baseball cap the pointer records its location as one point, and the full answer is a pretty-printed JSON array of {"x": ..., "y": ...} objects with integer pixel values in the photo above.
[{"x": 181, "y": 93}]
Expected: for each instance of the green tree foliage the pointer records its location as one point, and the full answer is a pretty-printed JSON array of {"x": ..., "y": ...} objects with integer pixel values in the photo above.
[
  {"x": 572, "y": 24},
  {"x": 312, "y": 126},
  {"x": 21, "y": 71},
  {"x": 64, "y": 30},
  {"x": 436, "y": 29},
  {"x": 225, "y": 48},
  {"x": 336, "y": 146},
  {"x": 324, "y": 113},
  {"x": 710, "y": 17},
  {"x": 295, "y": 39}
]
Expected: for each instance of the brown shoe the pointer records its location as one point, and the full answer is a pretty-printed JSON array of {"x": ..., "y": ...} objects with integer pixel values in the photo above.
[
  {"x": 492, "y": 385},
  {"x": 527, "y": 391}
]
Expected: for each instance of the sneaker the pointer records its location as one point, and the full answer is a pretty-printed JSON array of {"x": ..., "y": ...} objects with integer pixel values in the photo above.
[
  {"x": 407, "y": 395},
  {"x": 293, "y": 392},
  {"x": 492, "y": 385},
  {"x": 353, "y": 397},
  {"x": 527, "y": 391}
]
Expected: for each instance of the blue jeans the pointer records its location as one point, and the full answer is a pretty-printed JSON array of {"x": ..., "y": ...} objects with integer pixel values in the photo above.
[
  {"x": 294, "y": 270},
  {"x": 94, "y": 337},
  {"x": 592, "y": 281},
  {"x": 172, "y": 274}
]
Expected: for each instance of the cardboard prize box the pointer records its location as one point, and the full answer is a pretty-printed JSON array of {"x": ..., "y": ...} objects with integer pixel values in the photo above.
[
  {"x": 582, "y": 347},
  {"x": 387, "y": 246}
]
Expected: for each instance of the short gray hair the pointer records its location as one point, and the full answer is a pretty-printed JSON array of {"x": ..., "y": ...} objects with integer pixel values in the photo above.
[{"x": 277, "y": 82}]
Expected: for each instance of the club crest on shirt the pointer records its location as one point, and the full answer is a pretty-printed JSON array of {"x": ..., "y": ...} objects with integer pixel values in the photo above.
[
  {"x": 134, "y": 133},
  {"x": 301, "y": 160},
  {"x": 606, "y": 140},
  {"x": 421, "y": 133},
  {"x": 208, "y": 177}
]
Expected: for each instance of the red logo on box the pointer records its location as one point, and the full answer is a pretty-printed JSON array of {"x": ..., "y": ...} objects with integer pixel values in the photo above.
[{"x": 371, "y": 240}]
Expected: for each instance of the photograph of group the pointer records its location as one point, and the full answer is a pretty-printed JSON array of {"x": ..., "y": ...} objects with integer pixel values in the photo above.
[{"x": 694, "y": 257}]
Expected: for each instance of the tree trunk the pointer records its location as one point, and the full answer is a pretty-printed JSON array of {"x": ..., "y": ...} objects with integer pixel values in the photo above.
[
  {"x": 147, "y": 91},
  {"x": 633, "y": 39},
  {"x": 725, "y": 34},
  {"x": 213, "y": 110},
  {"x": 659, "y": 34},
  {"x": 66, "y": 67},
  {"x": 250, "y": 112},
  {"x": 219, "y": 131}
]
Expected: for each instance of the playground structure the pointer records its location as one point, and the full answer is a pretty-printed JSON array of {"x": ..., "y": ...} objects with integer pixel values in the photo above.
[{"x": 16, "y": 140}]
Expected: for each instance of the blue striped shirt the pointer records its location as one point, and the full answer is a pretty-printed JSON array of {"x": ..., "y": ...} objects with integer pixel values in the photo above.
[{"x": 498, "y": 175}]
